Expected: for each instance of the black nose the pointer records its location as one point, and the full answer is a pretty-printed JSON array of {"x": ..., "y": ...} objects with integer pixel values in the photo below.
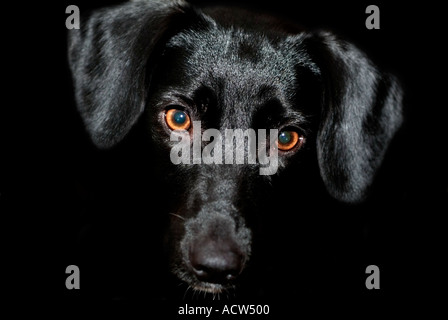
[{"x": 216, "y": 261}]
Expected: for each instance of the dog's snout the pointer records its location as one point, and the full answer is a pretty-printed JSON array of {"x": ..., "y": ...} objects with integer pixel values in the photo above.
[
  {"x": 216, "y": 261},
  {"x": 215, "y": 247}
]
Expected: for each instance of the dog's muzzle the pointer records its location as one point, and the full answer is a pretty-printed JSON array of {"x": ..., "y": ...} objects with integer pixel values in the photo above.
[{"x": 215, "y": 248}]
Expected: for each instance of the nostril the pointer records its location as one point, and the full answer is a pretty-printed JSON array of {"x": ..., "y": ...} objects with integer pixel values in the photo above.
[
  {"x": 207, "y": 274},
  {"x": 201, "y": 271},
  {"x": 231, "y": 275}
]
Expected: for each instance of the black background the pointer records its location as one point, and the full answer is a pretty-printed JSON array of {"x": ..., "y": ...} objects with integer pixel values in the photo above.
[{"x": 46, "y": 156}]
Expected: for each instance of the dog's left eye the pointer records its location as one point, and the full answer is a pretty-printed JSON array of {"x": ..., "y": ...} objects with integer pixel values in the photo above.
[
  {"x": 177, "y": 119},
  {"x": 288, "y": 139}
]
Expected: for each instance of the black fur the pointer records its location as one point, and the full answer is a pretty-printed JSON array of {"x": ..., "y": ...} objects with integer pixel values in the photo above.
[{"x": 132, "y": 61}]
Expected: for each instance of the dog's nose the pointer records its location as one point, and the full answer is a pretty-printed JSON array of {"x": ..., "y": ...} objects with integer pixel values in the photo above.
[{"x": 216, "y": 261}]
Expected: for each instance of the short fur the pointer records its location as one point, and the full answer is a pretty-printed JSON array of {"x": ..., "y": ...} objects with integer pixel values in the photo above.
[{"x": 132, "y": 61}]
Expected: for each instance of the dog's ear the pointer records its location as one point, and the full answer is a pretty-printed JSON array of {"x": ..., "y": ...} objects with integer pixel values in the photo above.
[
  {"x": 109, "y": 58},
  {"x": 362, "y": 110}
]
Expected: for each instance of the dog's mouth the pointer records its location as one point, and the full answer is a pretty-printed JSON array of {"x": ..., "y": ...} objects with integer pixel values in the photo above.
[
  {"x": 214, "y": 288},
  {"x": 197, "y": 286},
  {"x": 206, "y": 280}
]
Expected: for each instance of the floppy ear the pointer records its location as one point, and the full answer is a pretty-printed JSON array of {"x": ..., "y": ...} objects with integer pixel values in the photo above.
[
  {"x": 109, "y": 58},
  {"x": 362, "y": 110}
]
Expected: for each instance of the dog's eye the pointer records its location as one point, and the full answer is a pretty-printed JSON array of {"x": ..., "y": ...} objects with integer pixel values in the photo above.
[
  {"x": 177, "y": 119},
  {"x": 288, "y": 139}
]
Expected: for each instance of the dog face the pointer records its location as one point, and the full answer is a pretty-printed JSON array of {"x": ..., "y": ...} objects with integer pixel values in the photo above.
[{"x": 183, "y": 70}]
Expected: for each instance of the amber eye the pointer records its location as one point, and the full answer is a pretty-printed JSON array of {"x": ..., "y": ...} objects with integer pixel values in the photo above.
[
  {"x": 177, "y": 119},
  {"x": 289, "y": 139}
]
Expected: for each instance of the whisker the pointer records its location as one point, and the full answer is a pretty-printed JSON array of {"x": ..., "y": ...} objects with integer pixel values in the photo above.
[
  {"x": 186, "y": 291},
  {"x": 177, "y": 216}
]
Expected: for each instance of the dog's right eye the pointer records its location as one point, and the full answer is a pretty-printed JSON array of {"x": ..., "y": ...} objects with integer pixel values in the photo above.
[{"x": 177, "y": 119}]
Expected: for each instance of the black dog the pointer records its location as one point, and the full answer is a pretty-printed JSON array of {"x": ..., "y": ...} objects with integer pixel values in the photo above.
[{"x": 166, "y": 64}]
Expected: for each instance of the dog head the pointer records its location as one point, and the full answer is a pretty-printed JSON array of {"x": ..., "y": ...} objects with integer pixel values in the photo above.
[{"x": 186, "y": 70}]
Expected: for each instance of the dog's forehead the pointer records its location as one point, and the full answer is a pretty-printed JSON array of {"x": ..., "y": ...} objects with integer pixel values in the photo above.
[
  {"x": 243, "y": 59},
  {"x": 241, "y": 66}
]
